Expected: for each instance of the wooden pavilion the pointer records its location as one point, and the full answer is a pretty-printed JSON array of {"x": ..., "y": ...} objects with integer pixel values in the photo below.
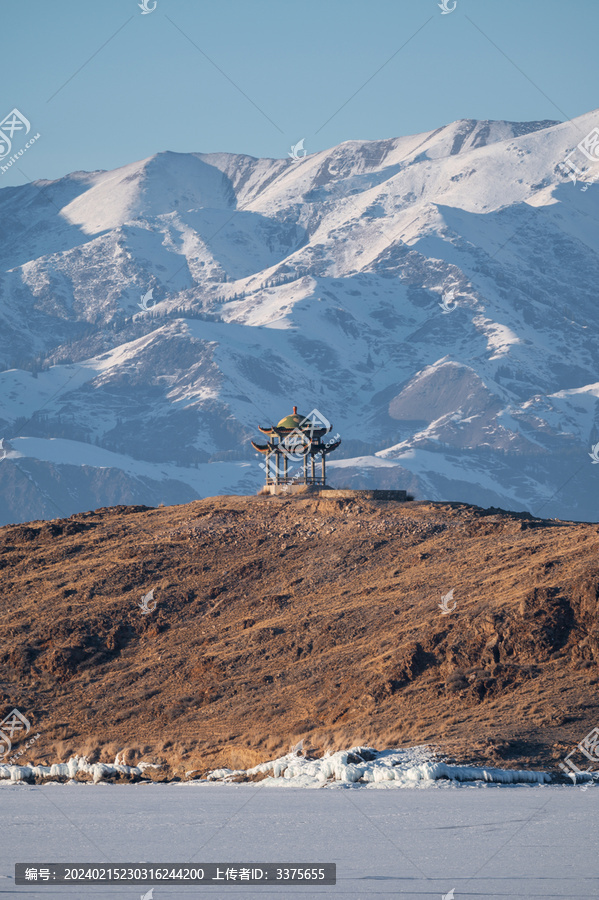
[{"x": 294, "y": 447}]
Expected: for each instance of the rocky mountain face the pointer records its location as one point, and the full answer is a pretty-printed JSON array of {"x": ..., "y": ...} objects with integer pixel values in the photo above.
[
  {"x": 432, "y": 295},
  {"x": 222, "y": 632}
]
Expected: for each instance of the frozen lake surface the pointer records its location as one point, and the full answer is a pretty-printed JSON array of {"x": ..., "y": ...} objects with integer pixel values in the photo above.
[{"x": 481, "y": 840}]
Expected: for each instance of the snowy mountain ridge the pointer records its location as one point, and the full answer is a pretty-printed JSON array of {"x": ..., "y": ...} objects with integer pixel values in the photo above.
[{"x": 432, "y": 294}]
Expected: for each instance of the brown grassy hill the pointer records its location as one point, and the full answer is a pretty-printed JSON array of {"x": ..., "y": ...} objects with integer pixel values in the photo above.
[{"x": 286, "y": 618}]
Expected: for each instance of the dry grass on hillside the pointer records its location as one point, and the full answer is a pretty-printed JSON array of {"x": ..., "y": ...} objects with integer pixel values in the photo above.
[{"x": 286, "y": 618}]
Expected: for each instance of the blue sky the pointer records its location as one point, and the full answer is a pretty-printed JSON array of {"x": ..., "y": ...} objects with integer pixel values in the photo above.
[{"x": 105, "y": 85}]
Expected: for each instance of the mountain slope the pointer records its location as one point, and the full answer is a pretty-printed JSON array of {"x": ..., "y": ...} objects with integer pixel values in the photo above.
[
  {"x": 282, "y": 619},
  {"x": 319, "y": 283}
]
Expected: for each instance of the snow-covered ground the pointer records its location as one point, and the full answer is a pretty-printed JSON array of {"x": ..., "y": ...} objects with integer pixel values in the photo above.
[
  {"x": 208, "y": 479},
  {"x": 372, "y": 768},
  {"x": 483, "y": 841},
  {"x": 412, "y": 827}
]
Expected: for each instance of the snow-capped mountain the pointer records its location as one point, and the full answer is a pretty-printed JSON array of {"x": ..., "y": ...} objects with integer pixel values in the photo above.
[{"x": 432, "y": 295}]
